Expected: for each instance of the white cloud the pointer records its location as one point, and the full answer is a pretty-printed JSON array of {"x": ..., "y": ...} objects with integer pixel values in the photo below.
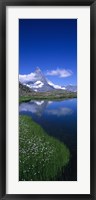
[
  {"x": 62, "y": 73},
  {"x": 25, "y": 78}
]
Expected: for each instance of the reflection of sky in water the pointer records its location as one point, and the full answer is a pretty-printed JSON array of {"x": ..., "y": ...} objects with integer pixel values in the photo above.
[
  {"x": 58, "y": 118},
  {"x": 39, "y": 107},
  {"x": 60, "y": 111}
]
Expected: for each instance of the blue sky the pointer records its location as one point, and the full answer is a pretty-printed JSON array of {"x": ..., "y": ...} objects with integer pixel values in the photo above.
[{"x": 51, "y": 45}]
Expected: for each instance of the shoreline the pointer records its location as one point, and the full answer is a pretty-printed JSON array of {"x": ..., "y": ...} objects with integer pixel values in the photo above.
[{"x": 28, "y": 98}]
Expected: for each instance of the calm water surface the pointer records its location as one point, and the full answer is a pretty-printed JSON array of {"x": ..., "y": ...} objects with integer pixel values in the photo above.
[{"x": 59, "y": 119}]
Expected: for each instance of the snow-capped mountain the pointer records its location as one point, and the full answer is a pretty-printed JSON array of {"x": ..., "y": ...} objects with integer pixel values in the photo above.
[{"x": 37, "y": 82}]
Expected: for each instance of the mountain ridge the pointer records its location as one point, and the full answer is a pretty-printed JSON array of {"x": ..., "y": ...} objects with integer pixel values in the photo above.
[{"x": 40, "y": 84}]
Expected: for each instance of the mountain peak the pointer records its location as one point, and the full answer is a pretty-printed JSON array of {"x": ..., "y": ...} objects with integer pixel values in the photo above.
[
  {"x": 39, "y": 83},
  {"x": 39, "y": 75},
  {"x": 37, "y": 70}
]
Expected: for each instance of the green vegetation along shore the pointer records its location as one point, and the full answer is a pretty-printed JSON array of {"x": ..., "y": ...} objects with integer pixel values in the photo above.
[
  {"x": 41, "y": 157},
  {"x": 46, "y": 96}
]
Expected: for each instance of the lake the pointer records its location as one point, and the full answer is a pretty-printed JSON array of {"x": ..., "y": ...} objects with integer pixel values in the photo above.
[{"x": 58, "y": 119}]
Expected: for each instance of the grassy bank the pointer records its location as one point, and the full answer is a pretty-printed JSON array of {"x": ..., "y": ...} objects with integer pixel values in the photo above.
[
  {"x": 41, "y": 157},
  {"x": 24, "y": 99},
  {"x": 47, "y": 97}
]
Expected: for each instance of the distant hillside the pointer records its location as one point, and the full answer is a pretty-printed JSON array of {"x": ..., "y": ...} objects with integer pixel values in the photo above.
[
  {"x": 24, "y": 90},
  {"x": 27, "y": 94}
]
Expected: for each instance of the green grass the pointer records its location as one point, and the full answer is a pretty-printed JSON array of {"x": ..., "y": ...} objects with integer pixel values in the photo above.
[
  {"x": 41, "y": 157},
  {"x": 43, "y": 96},
  {"x": 24, "y": 99}
]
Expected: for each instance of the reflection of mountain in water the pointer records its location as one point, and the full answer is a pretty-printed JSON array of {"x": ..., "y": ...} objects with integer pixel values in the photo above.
[
  {"x": 36, "y": 107},
  {"x": 39, "y": 107}
]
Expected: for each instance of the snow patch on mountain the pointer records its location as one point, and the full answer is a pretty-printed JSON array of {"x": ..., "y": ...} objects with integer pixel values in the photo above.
[{"x": 56, "y": 86}]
